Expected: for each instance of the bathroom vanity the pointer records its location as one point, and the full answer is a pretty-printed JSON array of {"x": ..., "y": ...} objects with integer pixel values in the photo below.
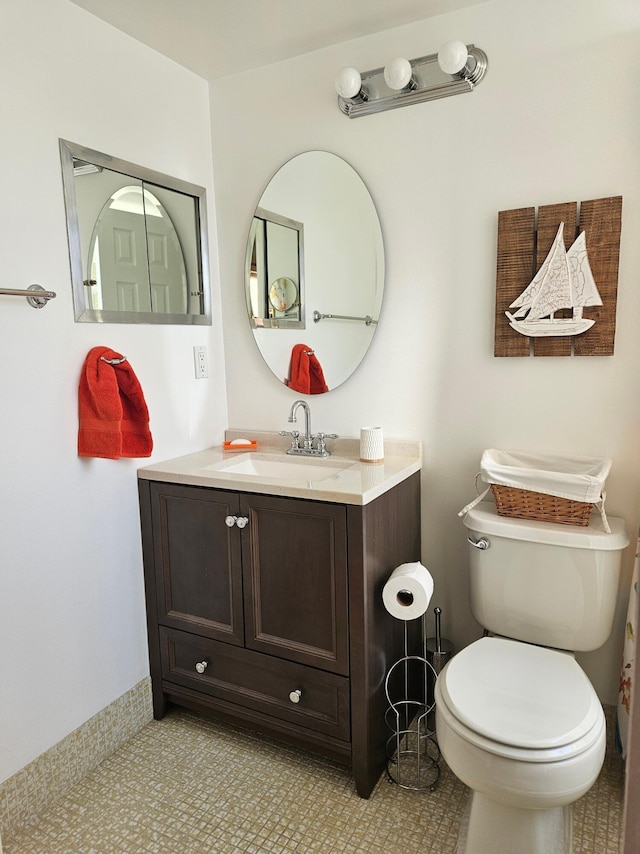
[{"x": 264, "y": 578}]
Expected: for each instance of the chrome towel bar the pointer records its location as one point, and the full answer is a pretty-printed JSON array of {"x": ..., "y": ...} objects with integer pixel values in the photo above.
[
  {"x": 35, "y": 294},
  {"x": 317, "y": 317}
]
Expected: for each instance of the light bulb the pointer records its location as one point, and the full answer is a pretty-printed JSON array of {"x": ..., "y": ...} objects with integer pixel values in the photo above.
[
  {"x": 452, "y": 57},
  {"x": 348, "y": 82},
  {"x": 398, "y": 74}
]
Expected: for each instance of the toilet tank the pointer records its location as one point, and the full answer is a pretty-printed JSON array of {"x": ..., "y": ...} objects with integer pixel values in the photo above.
[{"x": 550, "y": 584}]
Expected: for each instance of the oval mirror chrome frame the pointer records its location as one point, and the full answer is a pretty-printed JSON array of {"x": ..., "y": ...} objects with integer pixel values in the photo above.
[
  {"x": 83, "y": 312},
  {"x": 341, "y": 269}
]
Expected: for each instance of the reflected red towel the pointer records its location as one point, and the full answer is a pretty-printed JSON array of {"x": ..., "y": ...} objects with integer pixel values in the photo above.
[
  {"x": 305, "y": 371},
  {"x": 112, "y": 412}
]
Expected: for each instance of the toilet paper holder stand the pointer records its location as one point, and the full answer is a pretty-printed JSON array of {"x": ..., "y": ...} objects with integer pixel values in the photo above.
[{"x": 413, "y": 754}]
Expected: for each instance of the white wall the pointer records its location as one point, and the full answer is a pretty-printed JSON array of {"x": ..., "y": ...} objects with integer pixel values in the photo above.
[
  {"x": 556, "y": 119},
  {"x": 72, "y": 620}
]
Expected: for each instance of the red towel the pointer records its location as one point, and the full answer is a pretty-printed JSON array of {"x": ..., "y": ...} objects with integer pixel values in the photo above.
[
  {"x": 112, "y": 412},
  {"x": 305, "y": 372}
]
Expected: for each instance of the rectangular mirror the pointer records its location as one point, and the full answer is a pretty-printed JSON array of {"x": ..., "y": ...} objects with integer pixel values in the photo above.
[{"x": 137, "y": 242}]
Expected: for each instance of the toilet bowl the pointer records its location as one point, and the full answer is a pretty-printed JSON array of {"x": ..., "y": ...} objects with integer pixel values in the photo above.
[{"x": 522, "y": 727}]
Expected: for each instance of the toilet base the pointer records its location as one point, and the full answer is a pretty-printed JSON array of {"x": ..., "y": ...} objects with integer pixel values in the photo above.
[{"x": 489, "y": 827}]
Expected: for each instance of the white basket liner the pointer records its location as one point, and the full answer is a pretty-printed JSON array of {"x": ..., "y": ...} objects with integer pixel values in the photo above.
[{"x": 576, "y": 478}]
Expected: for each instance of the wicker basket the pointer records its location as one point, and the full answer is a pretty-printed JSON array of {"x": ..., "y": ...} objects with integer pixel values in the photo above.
[{"x": 524, "y": 504}]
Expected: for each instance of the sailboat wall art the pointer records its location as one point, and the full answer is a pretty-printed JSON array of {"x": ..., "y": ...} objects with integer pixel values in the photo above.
[
  {"x": 557, "y": 279},
  {"x": 565, "y": 280}
]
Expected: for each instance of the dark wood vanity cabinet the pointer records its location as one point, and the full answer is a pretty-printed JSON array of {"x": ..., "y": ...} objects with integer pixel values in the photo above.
[{"x": 268, "y": 611}]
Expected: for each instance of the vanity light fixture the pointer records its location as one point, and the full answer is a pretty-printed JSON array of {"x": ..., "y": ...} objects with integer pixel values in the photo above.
[{"x": 457, "y": 68}]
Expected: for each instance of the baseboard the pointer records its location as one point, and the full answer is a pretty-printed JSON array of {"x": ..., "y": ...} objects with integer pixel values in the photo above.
[{"x": 25, "y": 795}]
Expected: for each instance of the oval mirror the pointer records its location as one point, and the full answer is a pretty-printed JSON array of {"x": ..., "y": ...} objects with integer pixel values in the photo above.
[{"x": 314, "y": 272}]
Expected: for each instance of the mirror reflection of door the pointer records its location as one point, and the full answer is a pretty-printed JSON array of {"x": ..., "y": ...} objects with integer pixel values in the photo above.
[
  {"x": 135, "y": 257},
  {"x": 275, "y": 255}
]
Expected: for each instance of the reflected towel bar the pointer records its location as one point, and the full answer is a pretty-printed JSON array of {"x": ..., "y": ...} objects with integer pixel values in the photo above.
[
  {"x": 318, "y": 317},
  {"x": 36, "y": 295}
]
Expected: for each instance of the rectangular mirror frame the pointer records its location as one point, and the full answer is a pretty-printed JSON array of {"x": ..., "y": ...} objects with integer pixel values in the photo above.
[{"x": 85, "y": 314}]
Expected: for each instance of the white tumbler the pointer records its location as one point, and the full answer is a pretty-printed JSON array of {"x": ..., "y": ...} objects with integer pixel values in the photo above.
[{"x": 371, "y": 445}]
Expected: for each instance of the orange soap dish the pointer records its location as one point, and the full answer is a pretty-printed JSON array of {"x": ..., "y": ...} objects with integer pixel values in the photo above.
[{"x": 240, "y": 445}]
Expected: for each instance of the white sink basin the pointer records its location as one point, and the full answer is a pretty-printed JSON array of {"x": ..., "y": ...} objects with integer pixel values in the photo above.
[{"x": 281, "y": 467}]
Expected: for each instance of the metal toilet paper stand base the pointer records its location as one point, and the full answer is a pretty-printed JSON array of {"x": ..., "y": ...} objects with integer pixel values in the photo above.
[{"x": 412, "y": 750}]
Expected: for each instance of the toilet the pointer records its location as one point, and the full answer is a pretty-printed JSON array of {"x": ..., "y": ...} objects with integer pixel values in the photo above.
[{"x": 517, "y": 719}]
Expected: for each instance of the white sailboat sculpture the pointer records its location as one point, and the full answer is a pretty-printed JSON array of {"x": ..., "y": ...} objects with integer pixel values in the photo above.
[{"x": 564, "y": 280}]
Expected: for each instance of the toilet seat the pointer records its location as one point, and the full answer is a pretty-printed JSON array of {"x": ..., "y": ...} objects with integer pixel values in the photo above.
[{"x": 521, "y": 701}]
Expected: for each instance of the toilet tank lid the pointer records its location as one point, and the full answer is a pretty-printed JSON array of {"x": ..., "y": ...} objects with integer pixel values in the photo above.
[{"x": 484, "y": 519}]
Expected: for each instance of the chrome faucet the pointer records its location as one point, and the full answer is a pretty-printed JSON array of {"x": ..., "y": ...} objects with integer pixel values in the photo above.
[
  {"x": 308, "y": 436},
  {"x": 307, "y": 448}
]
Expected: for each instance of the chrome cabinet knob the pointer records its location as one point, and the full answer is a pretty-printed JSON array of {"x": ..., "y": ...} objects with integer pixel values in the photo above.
[
  {"x": 239, "y": 521},
  {"x": 201, "y": 666},
  {"x": 295, "y": 696}
]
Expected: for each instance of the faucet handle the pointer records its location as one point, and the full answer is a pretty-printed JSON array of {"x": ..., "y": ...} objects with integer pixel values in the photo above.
[
  {"x": 320, "y": 437},
  {"x": 295, "y": 436}
]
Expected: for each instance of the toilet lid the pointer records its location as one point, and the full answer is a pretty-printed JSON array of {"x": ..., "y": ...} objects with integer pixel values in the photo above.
[{"x": 519, "y": 694}]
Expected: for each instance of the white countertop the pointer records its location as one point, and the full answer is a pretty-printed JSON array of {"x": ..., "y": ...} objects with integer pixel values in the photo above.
[{"x": 353, "y": 483}]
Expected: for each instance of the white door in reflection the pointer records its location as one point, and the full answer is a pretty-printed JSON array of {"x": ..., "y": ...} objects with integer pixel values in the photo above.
[{"x": 136, "y": 260}]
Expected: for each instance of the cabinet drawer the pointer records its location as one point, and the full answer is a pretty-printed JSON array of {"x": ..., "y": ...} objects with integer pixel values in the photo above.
[{"x": 256, "y": 681}]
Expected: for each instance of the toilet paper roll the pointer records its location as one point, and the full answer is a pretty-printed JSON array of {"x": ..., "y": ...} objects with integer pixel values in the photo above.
[
  {"x": 408, "y": 591},
  {"x": 371, "y": 445}
]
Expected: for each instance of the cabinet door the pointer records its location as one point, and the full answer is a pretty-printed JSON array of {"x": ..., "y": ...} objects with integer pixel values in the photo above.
[
  {"x": 198, "y": 561},
  {"x": 294, "y": 555}
]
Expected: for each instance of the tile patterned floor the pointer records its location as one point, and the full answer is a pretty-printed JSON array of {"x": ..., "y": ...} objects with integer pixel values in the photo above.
[{"x": 187, "y": 785}]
